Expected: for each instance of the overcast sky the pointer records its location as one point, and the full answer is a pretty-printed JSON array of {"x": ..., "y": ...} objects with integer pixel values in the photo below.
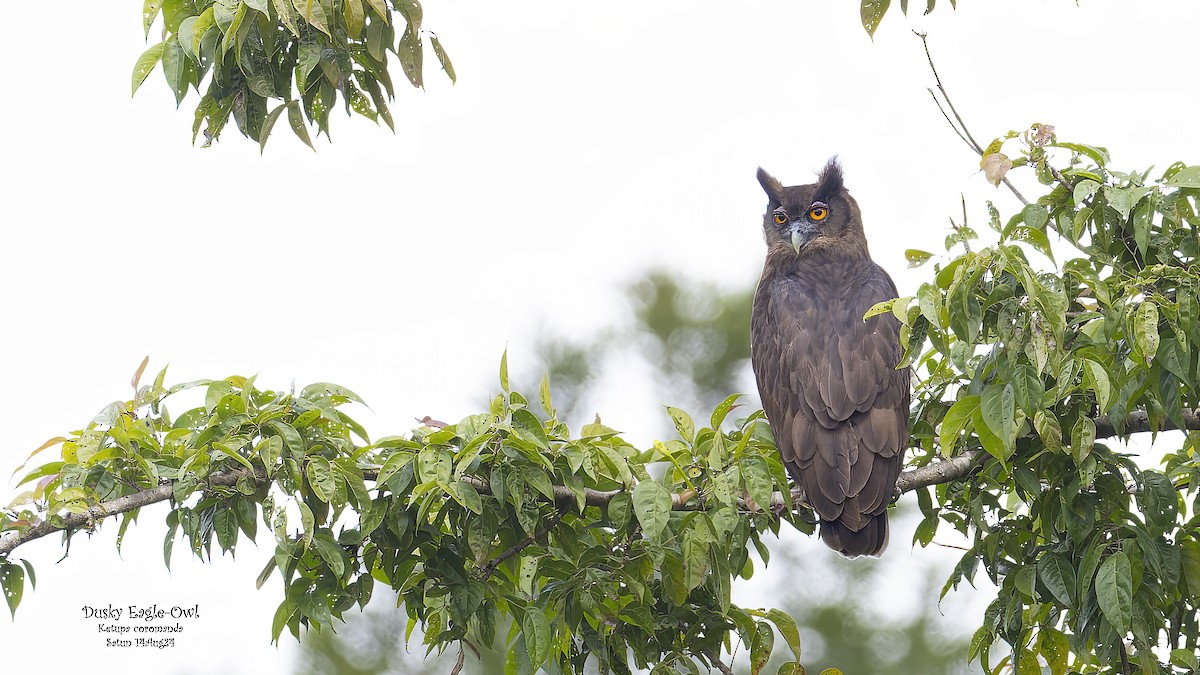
[{"x": 584, "y": 142}]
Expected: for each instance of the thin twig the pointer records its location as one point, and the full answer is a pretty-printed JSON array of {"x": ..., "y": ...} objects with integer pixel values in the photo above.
[
  {"x": 715, "y": 660},
  {"x": 963, "y": 125},
  {"x": 459, "y": 663},
  {"x": 961, "y": 128},
  {"x": 949, "y": 121},
  {"x": 115, "y": 507},
  {"x": 521, "y": 545}
]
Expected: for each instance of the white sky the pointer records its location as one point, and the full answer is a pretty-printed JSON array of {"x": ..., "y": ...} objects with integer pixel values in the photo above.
[{"x": 584, "y": 142}]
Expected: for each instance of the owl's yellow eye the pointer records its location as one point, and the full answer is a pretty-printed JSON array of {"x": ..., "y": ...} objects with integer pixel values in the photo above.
[
  {"x": 818, "y": 213},
  {"x": 781, "y": 218}
]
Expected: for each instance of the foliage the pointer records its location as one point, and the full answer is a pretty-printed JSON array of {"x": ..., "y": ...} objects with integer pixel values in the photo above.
[
  {"x": 252, "y": 52},
  {"x": 1093, "y": 551},
  {"x": 500, "y": 515},
  {"x": 872, "y": 11},
  {"x": 1024, "y": 373}
]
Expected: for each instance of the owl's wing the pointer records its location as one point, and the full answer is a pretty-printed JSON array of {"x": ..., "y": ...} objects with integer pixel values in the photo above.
[{"x": 837, "y": 403}]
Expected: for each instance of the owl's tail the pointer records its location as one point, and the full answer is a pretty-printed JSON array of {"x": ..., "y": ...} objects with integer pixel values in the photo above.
[{"x": 871, "y": 540}]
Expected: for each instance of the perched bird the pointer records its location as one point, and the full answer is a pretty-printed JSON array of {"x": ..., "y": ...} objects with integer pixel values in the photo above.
[{"x": 828, "y": 379}]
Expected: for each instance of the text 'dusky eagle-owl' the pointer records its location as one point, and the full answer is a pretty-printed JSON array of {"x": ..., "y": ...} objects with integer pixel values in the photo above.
[{"x": 828, "y": 379}]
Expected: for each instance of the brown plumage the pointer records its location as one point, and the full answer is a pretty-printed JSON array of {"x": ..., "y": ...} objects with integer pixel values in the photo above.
[{"x": 828, "y": 380}]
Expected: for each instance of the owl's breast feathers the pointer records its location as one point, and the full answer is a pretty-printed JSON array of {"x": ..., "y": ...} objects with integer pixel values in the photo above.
[{"x": 831, "y": 391}]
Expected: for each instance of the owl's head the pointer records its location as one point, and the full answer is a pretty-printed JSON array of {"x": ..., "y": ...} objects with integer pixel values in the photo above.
[{"x": 805, "y": 218}]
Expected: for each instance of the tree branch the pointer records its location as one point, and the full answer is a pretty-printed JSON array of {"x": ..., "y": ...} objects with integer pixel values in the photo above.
[
  {"x": 1138, "y": 422},
  {"x": 715, "y": 660},
  {"x": 130, "y": 502},
  {"x": 942, "y": 471}
]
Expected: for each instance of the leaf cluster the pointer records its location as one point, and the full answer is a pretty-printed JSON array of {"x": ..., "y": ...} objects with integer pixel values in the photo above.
[
  {"x": 1095, "y": 554},
  {"x": 584, "y": 546},
  {"x": 241, "y": 55}
]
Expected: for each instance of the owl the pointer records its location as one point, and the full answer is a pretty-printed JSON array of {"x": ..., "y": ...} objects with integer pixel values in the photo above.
[{"x": 828, "y": 379}]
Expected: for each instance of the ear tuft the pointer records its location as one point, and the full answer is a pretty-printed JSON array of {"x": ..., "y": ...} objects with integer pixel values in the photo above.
[
  {"x": 771, "y": 186},
  {"x": 830, "y": 181}
]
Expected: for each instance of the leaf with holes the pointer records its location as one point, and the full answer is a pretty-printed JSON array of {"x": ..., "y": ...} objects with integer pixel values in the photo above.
[
  {"x": 1114, "y": 591},
  {"x": 872, "y": 12},
  {"x": 652, "y": 504}
]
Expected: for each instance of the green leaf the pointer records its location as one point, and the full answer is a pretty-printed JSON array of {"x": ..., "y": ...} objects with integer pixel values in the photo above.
[
  {"x": 544, "y": 396},
  {"x": 1029, "y": 389},
  {"x": 757, "y": 476},
  {"x": 998, "y": 408},
  {"x": 880, "y": 308},
  {"x": 1184, "y": 658},
  {"x": 1083, "y": 437},
  {"x": 1058, "y": 575},
  {"x": 652, "y": 504},
  {"x": 1114, "y": 591},
  {"x": 410, "y": 55},
  {"x": 12, "y": 584},
  {"x": 1084, "y": 189},
  {"x": 355, "y": 16},
  {"x": 1124, "y": 199},
  {"x": 992, "y": 444},
  {"x": 330, "y": 552},
  {"x": 872, "y": 12},
  {"x": 536, "y": 628},
  {"x": 722, "y": 410},
  {"x": 1095, "y": 378},
  {"x": 296, "y": 120},
  {"x": 319, "y": 390},
  {"x": 1097, "y": 154},
  {"x": 1187, "y": 177},
  {"x": 265, "y": 574},
  {"x": 287, "y": 15},
  {"x": 786, "y": 626},
  {"x": 1048, "y": 429},
  {"x": 1054, "y": 647},
  {"x": 504, "y": 370},
  {"x": 231, "y": 33},
  {"x": 1145, "y": 329},
  {"x": 314, "y": 14},
  {"x": 1034, "y": 237},
  {"x": 916, "y": 257},
  {"x": 391, "y": 465},
  {"x": 145, "y": 64},
  {"x": 683, "y": 424},
  {"x": 268, "y": 124},
  {"x": 1158, "y": 501},
  {"x": 443, "y": 58},
  {"x": 435, "y": 464},
  {"x": 381, "y": 10},
  {"x": 204, "y": 22},
  {"x": 150, "y": 9},
  {"x": 322, "y": 479},
  {"x": 957, "y": 418},
  {"x": 1189, "y": 562},
  {"x": 176, "y": 68},
  {"x": 1035, "y": 216},
  {"x": 761, "y": 646}
]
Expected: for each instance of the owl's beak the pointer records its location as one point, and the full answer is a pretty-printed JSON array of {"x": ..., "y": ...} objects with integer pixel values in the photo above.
[{"x": 798, "y": 237}]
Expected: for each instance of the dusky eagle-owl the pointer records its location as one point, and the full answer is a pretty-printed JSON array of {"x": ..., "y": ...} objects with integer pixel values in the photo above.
[{"x": 828, "y": 379}]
